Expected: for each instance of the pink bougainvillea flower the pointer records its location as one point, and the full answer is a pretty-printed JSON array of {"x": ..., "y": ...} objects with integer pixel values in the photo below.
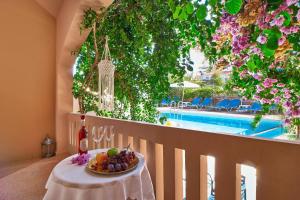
[
  {"x": 274, "y": 80},
  {"x": 262, "y": 24},
  {"x": 256, "y": 97},
  {"x": 296, "y": 113},
  {"x": 281, "y": 85},
  {"x": 285, "y": 30},
  {"x": 259, "y": 88},
  {"x": 268, "y": 18},
  {"x": 282, "y": 7},
  {"x": 287, "y": 95},
  {"x": 272, "y": 66},
  {"x": 288, "y": 112},
  {"x": 287, "y": 104},
  {"x": 294, "y": 29},
  {"x": 287, "y": 122},
  {"x": 257, "y": 76},
  {"x": 238, "y": 63},
  {"x": 274, "y": 91},
  {"x": 290, "y": 11},
  {"x": 277, "y": 100},
  {"x": 298, "y": 15},
  {"x": 291, "y": 2},
  {"x": 266, "y": 101},
  {"x": 298, "y": 103},
  {"x": 256, "y": 50},
  {"x": 240, "y": 43},
  {"x": 268, "y": 82},
  {"x": 279, "y": 21},
  {"x": 261, "y": 39},
  {"x": 281, "y": 41},
  {"x": 216, "y": 37},
  {"x": 243, "y": 73},
  {"x": 286, "y": 90}
]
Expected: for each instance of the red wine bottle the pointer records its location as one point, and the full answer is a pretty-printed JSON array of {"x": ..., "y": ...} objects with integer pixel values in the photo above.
[{"x": 83, "y": 137}]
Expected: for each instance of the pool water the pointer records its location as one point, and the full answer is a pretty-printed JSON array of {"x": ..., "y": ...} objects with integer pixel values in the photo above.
[{"x": 211, "y": 122}]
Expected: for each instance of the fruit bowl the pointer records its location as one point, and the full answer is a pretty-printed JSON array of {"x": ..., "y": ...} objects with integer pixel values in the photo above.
[{"x": 113, "y": 162}]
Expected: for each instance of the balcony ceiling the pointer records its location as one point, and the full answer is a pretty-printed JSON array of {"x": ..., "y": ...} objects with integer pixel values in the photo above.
[{"x": 52, "y": 6}]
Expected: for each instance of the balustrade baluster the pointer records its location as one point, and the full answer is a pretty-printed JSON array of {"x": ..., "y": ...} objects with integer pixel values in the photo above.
[
  {"x": 192, "y": 160},
  {"x": 179, "y": 174},
  {"x": 169, "y": 172},
  {"x": 120, "y": 141},
  {"x": 225, "y": 178},
  {"x": 159, "y": 172}
]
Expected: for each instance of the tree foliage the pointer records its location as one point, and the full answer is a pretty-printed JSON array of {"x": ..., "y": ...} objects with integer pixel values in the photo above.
[
  {"x": 150, "y": 42},
  {"x": 146, "y": 50}
]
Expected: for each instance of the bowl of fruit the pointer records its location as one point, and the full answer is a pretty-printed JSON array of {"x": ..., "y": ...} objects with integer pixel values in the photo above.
[{"x": 113, "y": 162}]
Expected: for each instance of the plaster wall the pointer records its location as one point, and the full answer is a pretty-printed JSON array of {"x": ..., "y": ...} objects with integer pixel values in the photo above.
[{"x": 27, "y": 79}]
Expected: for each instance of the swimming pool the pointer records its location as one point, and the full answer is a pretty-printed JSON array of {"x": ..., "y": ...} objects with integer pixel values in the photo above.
[{"x": 224, "y": 123}]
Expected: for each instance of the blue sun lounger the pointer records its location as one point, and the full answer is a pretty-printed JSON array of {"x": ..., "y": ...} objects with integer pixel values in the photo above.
[
  {"x": 205, "y": 103},
  {"x": 221, "y": 104},
  {"x": 255, "y": 107},
  {"x": 195, "y": 103},
  {"x": 165, "y": 102},
  {"x": 233, "y": 104}
]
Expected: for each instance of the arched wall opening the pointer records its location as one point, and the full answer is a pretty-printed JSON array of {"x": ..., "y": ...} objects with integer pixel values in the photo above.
[{"x": 68, "y": 39}]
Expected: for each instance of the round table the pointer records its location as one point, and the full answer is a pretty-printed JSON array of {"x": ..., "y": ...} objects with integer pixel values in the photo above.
[{"x": 69, "y": 181}]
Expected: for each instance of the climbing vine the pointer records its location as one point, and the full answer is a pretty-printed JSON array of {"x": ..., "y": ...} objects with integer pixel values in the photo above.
[{"x": 146, "y": 50}]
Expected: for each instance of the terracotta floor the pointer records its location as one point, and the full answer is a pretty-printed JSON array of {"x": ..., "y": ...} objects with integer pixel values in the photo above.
[{"x": 27, "y": 182}]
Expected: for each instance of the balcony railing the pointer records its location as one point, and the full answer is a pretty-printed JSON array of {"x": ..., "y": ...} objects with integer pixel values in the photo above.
[{"x": 277, "y": 162}]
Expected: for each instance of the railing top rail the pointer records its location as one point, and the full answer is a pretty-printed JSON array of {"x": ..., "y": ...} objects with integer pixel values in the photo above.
[{"x": 74, "y": 116}]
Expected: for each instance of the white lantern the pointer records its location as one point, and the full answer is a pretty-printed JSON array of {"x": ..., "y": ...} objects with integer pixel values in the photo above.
[{"x": 106, "y": 80}]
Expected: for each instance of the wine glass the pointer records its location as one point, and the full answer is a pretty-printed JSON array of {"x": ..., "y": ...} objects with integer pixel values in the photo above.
[
  {"x": 110, "y": 136},
  {"x": 98, "y": 134}
]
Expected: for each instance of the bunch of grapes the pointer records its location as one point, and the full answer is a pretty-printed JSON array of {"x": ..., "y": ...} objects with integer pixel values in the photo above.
[{"x": 119, "y": 162}]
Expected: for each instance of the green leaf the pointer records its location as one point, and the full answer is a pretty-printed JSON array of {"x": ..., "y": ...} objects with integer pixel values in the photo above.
[
  {"x": 233, "y": 6},
  {"x": 163, "y": 120},
  {"x": 272, "y": 42},
  {"x": 267, "y": 52},
  {"x": 274, "y": 1},
  {"x": 287, "y": 18},
  {"x": 177, "y": 12},
  {"x": 183, "y": 16},
  {"x": 251, "y": 65},
  {"x": 171, "y": 5},
  {"x": 274, "y": 4},
  {"x": 189, "y": 8},
  {"x": 273, "y": 36},
  {"x": 212, "y": 2},
  {"x": 201, "y": 12}
]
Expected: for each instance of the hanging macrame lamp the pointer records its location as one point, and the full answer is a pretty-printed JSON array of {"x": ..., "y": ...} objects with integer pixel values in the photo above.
[{"x": 106, "y": 80}]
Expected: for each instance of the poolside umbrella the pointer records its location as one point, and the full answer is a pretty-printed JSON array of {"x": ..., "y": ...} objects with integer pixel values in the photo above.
[{"x": 184, "y": 85}]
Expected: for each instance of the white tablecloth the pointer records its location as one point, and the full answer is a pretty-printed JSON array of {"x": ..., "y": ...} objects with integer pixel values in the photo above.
[{"x": 72, "y": 182}]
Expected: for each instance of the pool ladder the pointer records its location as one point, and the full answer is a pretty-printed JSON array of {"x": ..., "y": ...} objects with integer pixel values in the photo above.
[{"x": 175, "y": 113}]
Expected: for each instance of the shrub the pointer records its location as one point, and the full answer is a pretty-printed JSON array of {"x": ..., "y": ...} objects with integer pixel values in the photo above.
[{"x": 207, "y": 91}]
